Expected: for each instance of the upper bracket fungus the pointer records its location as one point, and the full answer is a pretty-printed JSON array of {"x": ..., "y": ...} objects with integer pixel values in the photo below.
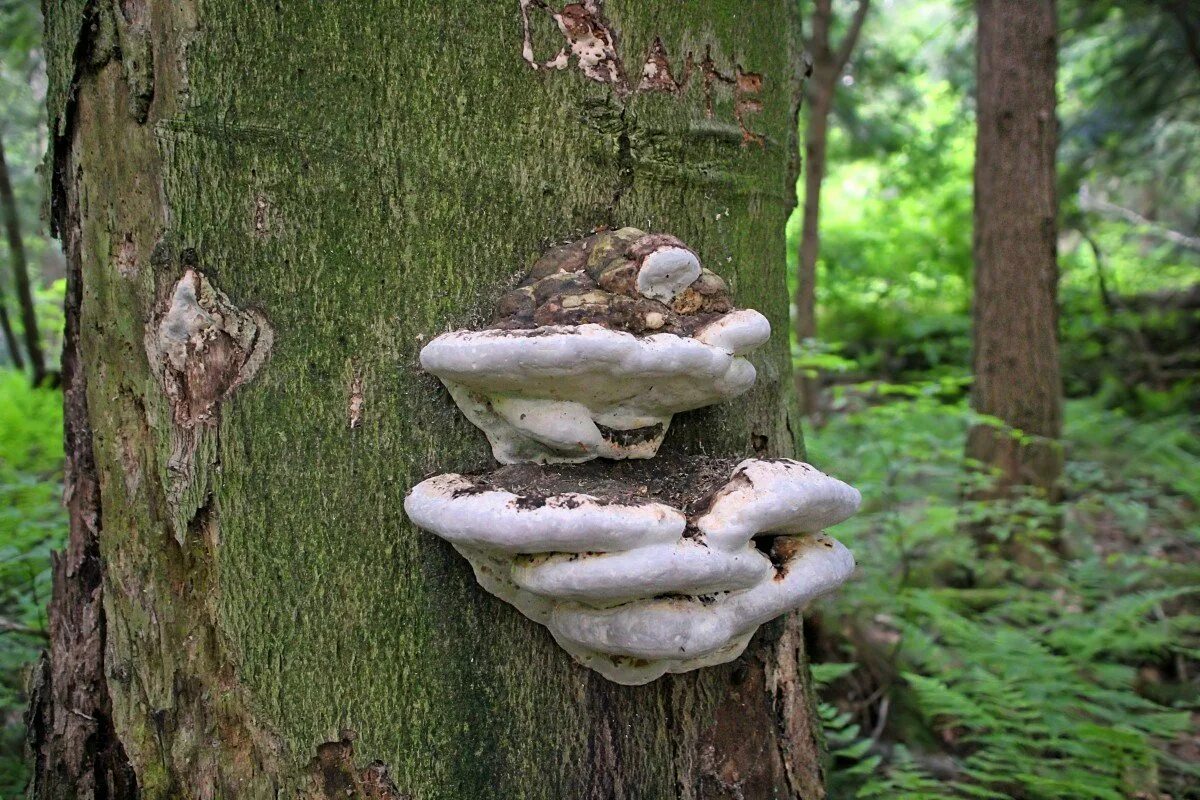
[
  {"x": 602, "y": 343},
  {"x": 638, "y": 570}
]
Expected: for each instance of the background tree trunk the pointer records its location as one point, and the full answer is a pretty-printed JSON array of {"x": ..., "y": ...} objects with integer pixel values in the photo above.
[
  {"x": 828, "y": 67},
  {"x": 21, "y": 282},
  {"x": 10, "y": 337},
  {"x": 1016, "y": 271},
  {"x": 243, "y": 609}
]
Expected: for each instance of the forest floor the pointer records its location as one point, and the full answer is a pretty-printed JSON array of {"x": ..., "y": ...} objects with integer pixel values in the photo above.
[
  {"x": 946, "y": 671},
  {"x": 950, "y": 671}
]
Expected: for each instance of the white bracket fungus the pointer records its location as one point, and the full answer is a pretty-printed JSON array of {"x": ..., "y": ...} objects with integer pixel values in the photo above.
[
  {"x": 638, "y": 571},
  {"x": 592, "y": 355},
  {"x": 637, "y": 568}
]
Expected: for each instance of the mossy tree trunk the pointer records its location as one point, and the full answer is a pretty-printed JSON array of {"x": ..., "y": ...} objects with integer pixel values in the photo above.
[{"x": 243, "y": 609}]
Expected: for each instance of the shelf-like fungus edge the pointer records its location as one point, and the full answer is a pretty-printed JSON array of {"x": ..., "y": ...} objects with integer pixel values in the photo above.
[
  {"x": 600, "y": 346},
  {"x": 634, "y": 576}
]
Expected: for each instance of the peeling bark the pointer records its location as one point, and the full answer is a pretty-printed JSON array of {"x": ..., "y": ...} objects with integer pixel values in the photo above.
[
  {"x": 75, "y": 748},
  {"x": 772, "y": 750},
  {"x": 241, "y": 585},
  {"x": 334, "y": 775}
]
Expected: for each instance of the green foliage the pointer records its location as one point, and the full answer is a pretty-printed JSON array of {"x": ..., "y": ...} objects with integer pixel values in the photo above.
[
  {"x": 20, "y": 30},
  {"x": 894, "y": 273},
  {"x": 23, "y": 129},
  {"x": 1129, "y": 87},
  {"x": 1129, "y": 82},
  {"x": 1067, "y": 682},
  {"x": 957, "y": 674},
  {"x": 893, "y": 277},
  {"x": 32, "y": 522}
]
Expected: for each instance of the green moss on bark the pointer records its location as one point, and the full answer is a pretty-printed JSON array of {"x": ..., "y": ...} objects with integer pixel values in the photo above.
[{"x": 368, "y": 175}]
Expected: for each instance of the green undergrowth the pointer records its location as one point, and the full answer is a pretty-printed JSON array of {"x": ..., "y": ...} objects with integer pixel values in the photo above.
[
  {"x": 32, "y": 522},
  {"x": 952, "y": 672}
]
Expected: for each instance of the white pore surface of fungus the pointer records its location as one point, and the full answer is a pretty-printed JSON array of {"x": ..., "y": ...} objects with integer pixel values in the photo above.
[
  {"x": 571, "y": 393},
  {"x": 629, "y": 589}
]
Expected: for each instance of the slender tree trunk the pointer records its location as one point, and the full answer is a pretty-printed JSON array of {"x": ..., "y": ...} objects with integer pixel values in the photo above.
[
  {"x": 243, "y": 609},
  {"x": 21, "y": 282},
  {"x": 815, "y": 143},
  {"x": 10, "y": 338},
  {"x": 1016, "y": 271},
  {"x": 828, "y": 67}
]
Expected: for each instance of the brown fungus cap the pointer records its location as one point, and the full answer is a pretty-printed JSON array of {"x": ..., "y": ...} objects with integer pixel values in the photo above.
[{"x": 596, "y": 280}]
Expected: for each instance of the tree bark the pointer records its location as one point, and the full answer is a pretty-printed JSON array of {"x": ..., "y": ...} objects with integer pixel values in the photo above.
[
  {"x": 1016, "y": 363},
  {"x": 243, "y": 609},
  {"x": 21, "y": 282},
  {"x": 10, "y": 338},
  {"x": 828, "y": 67}
]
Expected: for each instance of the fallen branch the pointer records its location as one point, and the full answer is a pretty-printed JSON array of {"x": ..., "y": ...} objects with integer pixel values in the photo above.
[
  {"x": 1100, "y": 206},
  {"x": 8, "y": 626}
]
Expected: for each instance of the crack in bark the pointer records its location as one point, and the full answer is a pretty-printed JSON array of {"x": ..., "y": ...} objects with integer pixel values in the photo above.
[{"x": 71, "y": 733}]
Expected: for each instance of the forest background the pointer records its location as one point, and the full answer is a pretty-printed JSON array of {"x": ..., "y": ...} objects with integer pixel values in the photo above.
[{"x": 947, "y": 668}]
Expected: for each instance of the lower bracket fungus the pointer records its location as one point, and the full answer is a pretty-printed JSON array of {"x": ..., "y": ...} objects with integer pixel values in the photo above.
[
  {"x": 639, "y": 569},
  {"x": 603, "y": 342}
]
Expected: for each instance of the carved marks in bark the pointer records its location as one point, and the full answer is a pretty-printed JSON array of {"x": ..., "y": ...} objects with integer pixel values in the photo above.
[
  {"x": 588, "y": 37},
  {"x": 590, "y": 40}
]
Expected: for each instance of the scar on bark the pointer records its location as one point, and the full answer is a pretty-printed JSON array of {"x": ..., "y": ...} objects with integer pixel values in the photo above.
[
  {"x": 203, "y": 347},
  {"x": 746, "y": 92},
  {"x": 262, "y": 216},
  {"x": 333, "y": 774},
  {"x": 135, "y": 46},
  {"x": 355, "y": 410}
]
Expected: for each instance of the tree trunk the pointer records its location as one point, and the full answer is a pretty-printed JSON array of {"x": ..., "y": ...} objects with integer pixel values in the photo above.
[
  {"x": 1016, "y": 272},
  {"x": 827, "y": 69},
  {"x": 21, "y": 283},
  {"x": 815, "y": 142},
  {"x": 243, "y": 609},
  {"x": 10, "y": 338}
]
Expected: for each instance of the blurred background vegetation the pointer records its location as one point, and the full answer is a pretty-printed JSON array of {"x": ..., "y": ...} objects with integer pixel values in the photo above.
[{"x": 946, "y": 670}]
